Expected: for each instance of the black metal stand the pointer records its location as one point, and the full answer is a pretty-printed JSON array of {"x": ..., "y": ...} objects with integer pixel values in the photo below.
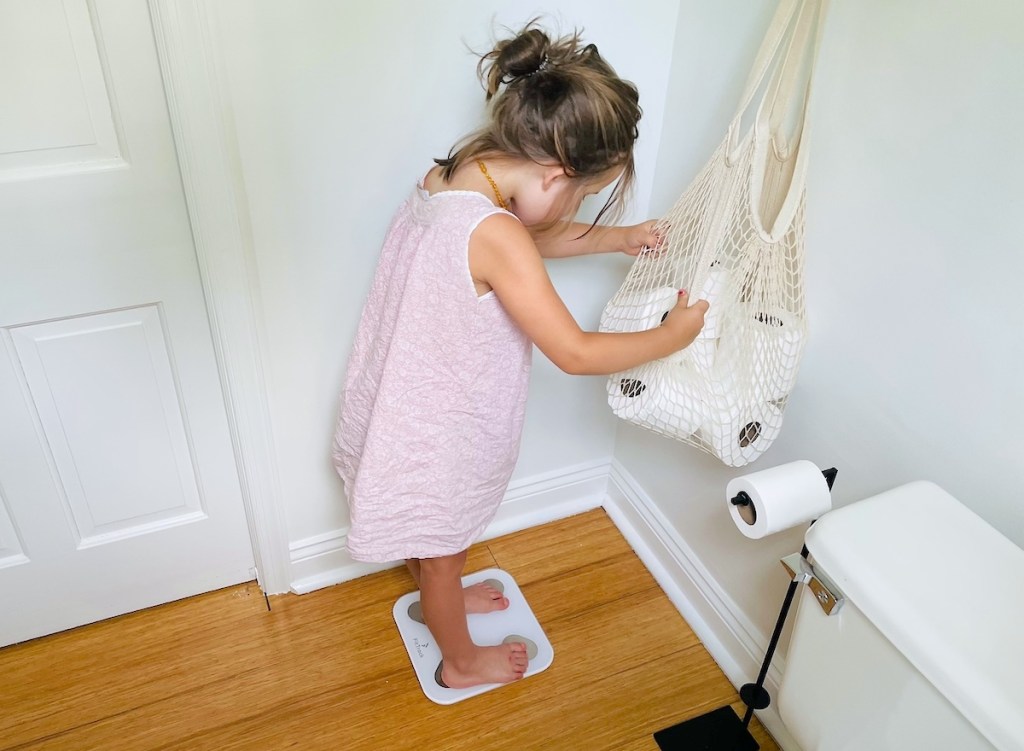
[{"x": 720, "y": 729}]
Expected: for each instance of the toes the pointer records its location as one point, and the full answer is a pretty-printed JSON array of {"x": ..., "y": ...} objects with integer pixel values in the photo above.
[
  {"x": 529, "y": 644},
  {"x": 489, "y": 591},
  {"x": 485, "y": 589},
  {"x": 480, "y": 598},
  {"x": 494, "y": 584}
]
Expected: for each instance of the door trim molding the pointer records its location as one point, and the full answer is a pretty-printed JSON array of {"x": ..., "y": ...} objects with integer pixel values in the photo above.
[{"x": 206, "y": 142}]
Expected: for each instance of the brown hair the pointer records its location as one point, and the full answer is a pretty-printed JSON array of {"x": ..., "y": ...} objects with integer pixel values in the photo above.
[{"x": 555, "y": 100}]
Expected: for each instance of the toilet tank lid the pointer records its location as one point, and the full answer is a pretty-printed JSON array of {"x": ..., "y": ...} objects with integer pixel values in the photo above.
[{"x": 945, "y": 588}]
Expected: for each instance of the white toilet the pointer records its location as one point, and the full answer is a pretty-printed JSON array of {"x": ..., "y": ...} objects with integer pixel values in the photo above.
[{"x": 925, "y": 650}]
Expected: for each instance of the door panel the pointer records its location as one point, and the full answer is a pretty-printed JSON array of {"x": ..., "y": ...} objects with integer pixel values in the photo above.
[
  {"x": 104, "y": 392},
  {"x": 56, "y": 114},
  {"x": 118, "y": 483}
]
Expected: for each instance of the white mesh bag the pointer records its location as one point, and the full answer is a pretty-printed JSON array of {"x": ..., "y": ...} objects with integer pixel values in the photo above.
[{"x": 735, "y": 238}]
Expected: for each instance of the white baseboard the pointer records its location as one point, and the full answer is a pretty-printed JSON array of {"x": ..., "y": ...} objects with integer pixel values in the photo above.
[
  {"x": 729, "y": 636},
  {"x": 323, "y": 560}
]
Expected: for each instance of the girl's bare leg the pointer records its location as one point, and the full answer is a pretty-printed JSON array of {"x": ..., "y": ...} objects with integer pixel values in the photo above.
[
  {"x": 480, "y": 598},
  {"x": 413, "y": 564},
  {"x": 443, "y": 601}
]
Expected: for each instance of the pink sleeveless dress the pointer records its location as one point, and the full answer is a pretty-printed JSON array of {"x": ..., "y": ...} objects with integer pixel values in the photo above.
[{"x": 434, "y": 396}]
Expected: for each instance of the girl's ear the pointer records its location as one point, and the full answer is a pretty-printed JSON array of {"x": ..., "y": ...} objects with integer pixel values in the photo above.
[{"x": 552, "y": 174}]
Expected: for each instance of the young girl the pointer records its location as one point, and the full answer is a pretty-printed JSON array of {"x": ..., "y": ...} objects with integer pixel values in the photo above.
[{"x": 432, "y": 407}]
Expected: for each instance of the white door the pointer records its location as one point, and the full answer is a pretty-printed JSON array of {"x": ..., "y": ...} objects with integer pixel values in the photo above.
[{"x": 118, "y": 483}]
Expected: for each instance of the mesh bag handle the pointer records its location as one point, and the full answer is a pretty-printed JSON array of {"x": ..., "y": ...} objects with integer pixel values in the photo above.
[
  {"x": 792, "y": 74},
  {"x": 767, "y": 56}
]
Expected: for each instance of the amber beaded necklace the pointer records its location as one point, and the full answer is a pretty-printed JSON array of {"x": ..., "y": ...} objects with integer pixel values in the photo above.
[{"x": 494, "y": 185}]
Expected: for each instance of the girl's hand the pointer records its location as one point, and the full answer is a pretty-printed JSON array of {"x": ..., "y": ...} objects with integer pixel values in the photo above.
[
  {"x": 686, "y": 320},
  {"x": 640, "y": 236}
]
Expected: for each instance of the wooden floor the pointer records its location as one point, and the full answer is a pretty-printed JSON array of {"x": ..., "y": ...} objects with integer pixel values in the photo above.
[{"x": 327, "y": 670}]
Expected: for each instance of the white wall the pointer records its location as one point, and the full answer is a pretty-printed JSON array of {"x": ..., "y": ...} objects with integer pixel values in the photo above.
[
  {"x": 915, "y": 259},
  {"x": 339, "y": 108}
]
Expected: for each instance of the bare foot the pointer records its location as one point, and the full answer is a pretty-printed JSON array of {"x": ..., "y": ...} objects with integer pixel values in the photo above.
[
  {"x": 483, "y": 598},
  {"x": 501, "y": 664},
  {"x": 478, "y": 598}
]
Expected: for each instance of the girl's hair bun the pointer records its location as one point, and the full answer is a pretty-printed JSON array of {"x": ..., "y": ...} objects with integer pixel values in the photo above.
[{"x": 518, "y": 57}]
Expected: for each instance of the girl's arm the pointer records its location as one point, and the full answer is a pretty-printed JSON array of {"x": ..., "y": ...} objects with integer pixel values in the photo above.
[
  {"x": 503, "y": 255},
  {"x": 574, "y": 239}
]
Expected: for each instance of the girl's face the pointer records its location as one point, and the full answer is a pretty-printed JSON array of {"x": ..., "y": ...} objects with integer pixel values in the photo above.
[{"x": 555, "y": 196}]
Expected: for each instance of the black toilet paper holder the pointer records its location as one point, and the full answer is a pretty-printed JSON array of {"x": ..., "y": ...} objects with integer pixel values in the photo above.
[{"x": 720, "y": 729}]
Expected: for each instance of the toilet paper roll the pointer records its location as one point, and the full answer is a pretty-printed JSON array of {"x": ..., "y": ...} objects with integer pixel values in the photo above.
[
  {"x": 639, "y": 311},
  {"x": 714, "y": 290},
  {"x": 781, "y": 497},
  {"x": 659, "y": 396},
  {"x": 764, "y": 350},
  {"x": 700, "y": 354},
  {"x": 675, "y": 410},
  {"x": 738, "y": 434},
  {"x": 631, "y": 394}
]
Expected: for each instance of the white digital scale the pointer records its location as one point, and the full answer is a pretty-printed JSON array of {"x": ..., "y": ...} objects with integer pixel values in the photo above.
[{"x": 516, "y": 623}]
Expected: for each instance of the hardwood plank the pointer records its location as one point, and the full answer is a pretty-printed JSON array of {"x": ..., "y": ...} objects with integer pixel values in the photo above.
[
  {"x": 617, "y": 708},
  {"x": 542, "y": 552},
  {"x": 643, "y": 743},
  {"x": 75, "y": 667},
  {"x": 332, "y": 657},
  {"x": 631, "y": 631},
  {"x": 588, "y": 586}
]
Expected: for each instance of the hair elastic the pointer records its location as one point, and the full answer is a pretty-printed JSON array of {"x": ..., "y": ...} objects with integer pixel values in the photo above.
[{"x": 543, "y": 66}]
